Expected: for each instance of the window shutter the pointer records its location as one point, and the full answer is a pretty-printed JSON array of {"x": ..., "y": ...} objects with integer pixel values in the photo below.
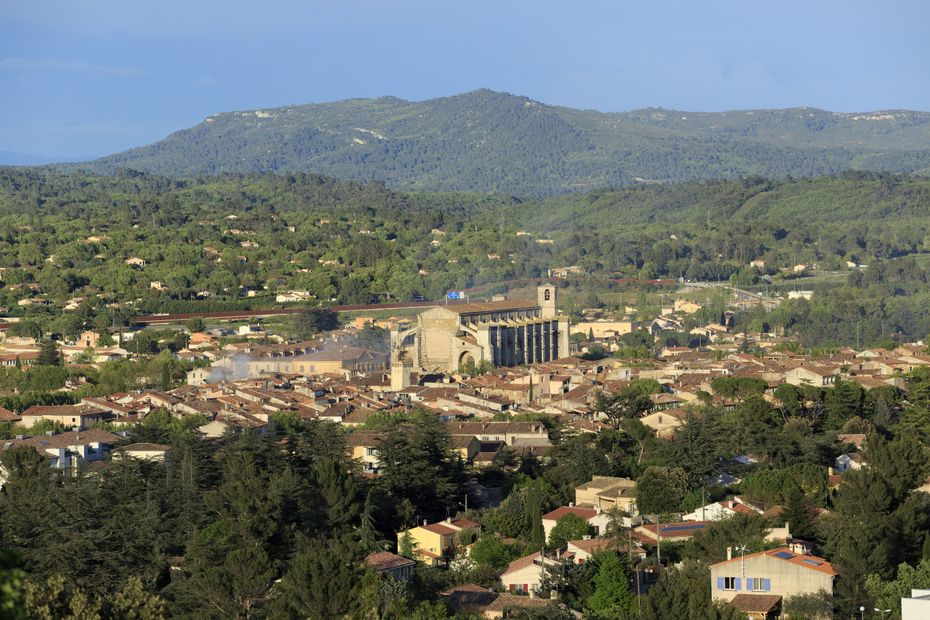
[
  {"x": 738, "y": 584},
  {"x": 720, "y": 583},
  {"x": 766, "y": 584}
]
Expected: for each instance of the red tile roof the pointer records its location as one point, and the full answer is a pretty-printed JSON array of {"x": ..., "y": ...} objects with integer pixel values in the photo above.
[
  {"x": 786, "y": 555},
  {"x": 558, "y": 513},
  {"x": 385, "y": 560}
]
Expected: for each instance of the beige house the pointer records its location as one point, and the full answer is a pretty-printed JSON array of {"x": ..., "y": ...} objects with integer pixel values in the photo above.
[
  {"x": 77, "y": 417},
  {"x": 606, "y": 493},
  {"x": 364, "y": 447},
  {"x": 686, "y": 306},
  {"x": 144, "y": 452},
  {"x": 664, "y": 423},
  {"x": 779, "y": 572},
  {"x": 817, "y": 376},
  {"x": 605, "y": 329}
]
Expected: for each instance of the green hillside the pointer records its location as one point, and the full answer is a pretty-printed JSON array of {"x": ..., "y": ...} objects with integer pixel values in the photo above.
[
  {"x": 496, "y": 142},
  {"x": 850, "y": 197}
]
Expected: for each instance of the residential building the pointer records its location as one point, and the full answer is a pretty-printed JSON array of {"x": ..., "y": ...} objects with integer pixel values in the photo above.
[
  {"x": 606, "y": 493},
  {"x": 144, "y": 452},
  {"x": 77, "y": 417},
  {"x": 917, "y": 607},
  {"x": 653, "y": 533},
  {"x": 719, "y": 510},
  {"x": 364, "y": 447},
  {"x": 596, "y": 519},
  {"x": 524, "y": 576},
  {"x": 68, "y": 450},
  {"x": 777, "y": 572},
  {"x": 435, "y": 543},
  {"x": 397, "y": 566}
]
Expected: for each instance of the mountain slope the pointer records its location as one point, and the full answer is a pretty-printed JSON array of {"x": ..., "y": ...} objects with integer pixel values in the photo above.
[{"x": 489, "y": 141}]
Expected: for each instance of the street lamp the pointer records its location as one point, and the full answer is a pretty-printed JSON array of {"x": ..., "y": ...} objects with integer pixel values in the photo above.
[
  {"x": 861, "y": 612},
  {"x": 883, "y": 612}
]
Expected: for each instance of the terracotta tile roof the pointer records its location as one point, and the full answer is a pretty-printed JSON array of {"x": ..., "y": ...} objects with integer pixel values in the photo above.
[
  {"x": 506, "y": 601},
  {"x": 755, "y": 603},
  {"x": 438, "y": 528},
  {"x": 786, "y": 555},
  {"x": 8, "y": 416},
  {"x": 522, "y": 562},
  {"x": 558, "y": 513},
  {"x": 62, "y": 410},
  {"x": 385, "y": 560},
  {"x": 464, "y": 524}
]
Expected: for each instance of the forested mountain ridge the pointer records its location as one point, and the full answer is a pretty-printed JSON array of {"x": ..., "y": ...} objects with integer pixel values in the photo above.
[{"x": 496, "y": 142}]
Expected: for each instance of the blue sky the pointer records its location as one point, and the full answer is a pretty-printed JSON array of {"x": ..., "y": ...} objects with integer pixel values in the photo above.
[{"x": 91, "y": 77}]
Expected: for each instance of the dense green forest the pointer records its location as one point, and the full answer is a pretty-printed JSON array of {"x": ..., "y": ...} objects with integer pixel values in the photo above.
[
  {"x": 210, "y": 240},
  {"x": 496, "y": 142}
]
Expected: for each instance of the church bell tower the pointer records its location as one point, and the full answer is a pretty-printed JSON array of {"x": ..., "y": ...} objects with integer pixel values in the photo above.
[{"x": 546, "y": 298}]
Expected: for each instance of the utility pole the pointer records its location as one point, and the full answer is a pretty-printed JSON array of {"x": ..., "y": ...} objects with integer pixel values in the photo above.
[{"x": 659, "y": 538}]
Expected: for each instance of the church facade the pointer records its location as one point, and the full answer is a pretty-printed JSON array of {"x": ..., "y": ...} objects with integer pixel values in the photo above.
[{"x": 503, "y": 333}]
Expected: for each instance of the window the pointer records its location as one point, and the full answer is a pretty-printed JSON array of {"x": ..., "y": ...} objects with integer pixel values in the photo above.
[
  {"x": 729, "y": 583},
  {"x": 758, "y": 584}
]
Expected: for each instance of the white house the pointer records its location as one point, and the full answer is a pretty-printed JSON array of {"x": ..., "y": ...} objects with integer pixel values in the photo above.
[
  {"x": 719, "y": 510},
  {"x": 917, "y": 607},
  {"x": 525, "y": 575},
  {"x": 594, "y": 516},
  {"x": 850, "y": 460}
]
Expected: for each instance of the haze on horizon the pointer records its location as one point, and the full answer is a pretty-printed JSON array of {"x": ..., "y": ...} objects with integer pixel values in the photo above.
[{"x": 92, "y": 77}]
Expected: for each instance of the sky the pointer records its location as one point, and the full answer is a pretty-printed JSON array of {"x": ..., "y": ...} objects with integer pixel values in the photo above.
[{"x": 83, "y": 78}]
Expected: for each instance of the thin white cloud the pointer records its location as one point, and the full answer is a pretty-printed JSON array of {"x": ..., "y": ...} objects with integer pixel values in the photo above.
[{"x": 33, "y": 65}]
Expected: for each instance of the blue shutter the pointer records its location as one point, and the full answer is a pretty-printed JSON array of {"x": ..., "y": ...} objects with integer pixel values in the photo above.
[
  {"x": 766, "y": 584},
  {"x": 738, "y": 580},
  {"x": 720, "y": 583},
  {"x": 749, "y": 584}
]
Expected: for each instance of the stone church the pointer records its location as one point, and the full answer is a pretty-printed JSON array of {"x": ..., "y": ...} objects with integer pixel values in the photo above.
[{"x": 504, "y": 333}]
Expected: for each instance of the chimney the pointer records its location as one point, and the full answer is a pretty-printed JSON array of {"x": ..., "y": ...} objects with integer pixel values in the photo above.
[
  {"x": 424, "y": 522},
  {"x": 729, "y": 553},
  {"x": 571, "y": 504}
]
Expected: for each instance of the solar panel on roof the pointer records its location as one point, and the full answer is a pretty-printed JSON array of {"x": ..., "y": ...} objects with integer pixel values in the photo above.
[
  {"x": 677, "y": 528},
  {"x": 785, "y": 555},
  {"x": 812, "y": 562}
]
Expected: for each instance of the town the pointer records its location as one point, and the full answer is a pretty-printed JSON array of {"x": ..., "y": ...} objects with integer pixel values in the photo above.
[{"x": 565, "y": 445}]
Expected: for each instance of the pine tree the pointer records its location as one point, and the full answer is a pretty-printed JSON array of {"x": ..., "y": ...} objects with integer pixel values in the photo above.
[
  {"x": 320, "y": 583},
  {"x": 48, "y": 354},
  {"x": 406, "y": 545},
  {"x": 612, "y": 597},
  {"x": 797, "y": 514},
  {"x": 339, "y": 491},
  {"x": 369, "y": 537}
]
